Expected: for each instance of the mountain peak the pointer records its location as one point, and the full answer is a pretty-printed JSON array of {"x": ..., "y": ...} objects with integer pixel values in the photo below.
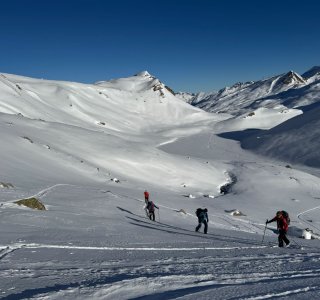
[
  {"x": 292, "y": 78},
  {"x": 144, "y": 74}
]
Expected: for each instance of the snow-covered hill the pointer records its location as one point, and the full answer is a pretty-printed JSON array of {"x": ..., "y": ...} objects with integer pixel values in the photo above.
[
  {"x": 312, "y": 72},
  {"x": 117, "y": 105},
  {"x": 296, "y": 141},
  {"x": 107, "y": 124},
  {"x": 88, "y": 152}
]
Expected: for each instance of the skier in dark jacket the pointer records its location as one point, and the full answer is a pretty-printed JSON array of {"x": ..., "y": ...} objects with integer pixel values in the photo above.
[
  {"x": 282, "y": 225},
  {"x": 150, "y": 208},
  {"x": 202, "y": 215}
]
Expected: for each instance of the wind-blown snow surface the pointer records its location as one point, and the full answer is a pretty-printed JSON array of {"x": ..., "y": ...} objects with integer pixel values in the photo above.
[{"x": 66, "y": 143}]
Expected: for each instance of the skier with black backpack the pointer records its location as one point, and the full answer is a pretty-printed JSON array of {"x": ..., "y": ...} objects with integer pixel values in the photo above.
[
  {"x": 283, "y": 221},
  {"x": 202, "y": 215},
  {"x": 150, "y": 207}
]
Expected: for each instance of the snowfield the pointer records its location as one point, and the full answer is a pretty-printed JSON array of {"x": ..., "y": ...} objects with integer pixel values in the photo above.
[{"x": 88, "y": 152}]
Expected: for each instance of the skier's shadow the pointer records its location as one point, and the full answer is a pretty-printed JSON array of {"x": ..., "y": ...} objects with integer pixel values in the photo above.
[
  {"x": 125, "y": 210},
  {"x": 165, "y": 228},
  {"x": 155, "y": 225},
  {"x": 177, "y": 230},
  {"x": 181, "y": 231}
]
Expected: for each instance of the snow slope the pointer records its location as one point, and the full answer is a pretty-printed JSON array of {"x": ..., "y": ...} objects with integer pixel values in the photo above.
[
  {"x": 312, "y": 72},
  {"x": 66, "y": 144},
  {"x": 116, "y": 106},
  {"x": 96, "y": 128},
  {"x": 296, "y": 140}
]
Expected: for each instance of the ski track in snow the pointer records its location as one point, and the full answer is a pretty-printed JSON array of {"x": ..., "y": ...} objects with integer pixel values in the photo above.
[
  {"x": 219, "y": 271},
  {"x": 160, "y": 272},
  {"x": 45, "y": 191},
  {"x": 228, "y": 222},
  {"x": 11, "y": 248},
  {"x": 163, "y": 272},
  {"x": 40, "y": 194},
  {"x": 300, "y": 217},
  {"x": 173, "y": 274},
  {"x": 291, "y": 293}
]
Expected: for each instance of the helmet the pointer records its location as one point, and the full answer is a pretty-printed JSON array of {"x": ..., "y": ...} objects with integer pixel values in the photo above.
[
  {"x": 205, "y": 210},
  {"x": 279, "y": 213}
]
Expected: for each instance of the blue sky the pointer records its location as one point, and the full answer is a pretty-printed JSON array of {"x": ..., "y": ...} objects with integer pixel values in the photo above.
[{"x": 197, "y": 45}]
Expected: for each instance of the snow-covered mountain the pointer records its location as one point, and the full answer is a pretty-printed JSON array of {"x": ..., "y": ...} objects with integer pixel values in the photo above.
[
  {"x": 268, "y": 103},
  {"x": 290, "y": 90},
  {"x": 115, "y": 105},
  {"x": 312, "y": 72},
  {"x": 46, "y": 117},
  {"x": 87, "y": 152}
]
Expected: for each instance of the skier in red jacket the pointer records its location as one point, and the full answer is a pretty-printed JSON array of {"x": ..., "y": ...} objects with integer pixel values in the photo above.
[
  {"x": 282, "y": 225},
  {"x": 146, "y": 196},
  {"x": 146, "y": 200}
]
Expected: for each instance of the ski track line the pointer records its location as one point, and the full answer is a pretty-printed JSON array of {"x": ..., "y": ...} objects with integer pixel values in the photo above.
[
  {"x": 286, "y": 293},
  {"x": 47, "y": 190},
  {"x": 39, "y": 246},
  {"x": 160, "y": 285},
  {"x": 235, "y": 224},
  {"x": 5, "y": 250},
  {"x": 305, "y": 221},
  {"x": 41, "y": 193},
  {"x": 238, "y": 224}
]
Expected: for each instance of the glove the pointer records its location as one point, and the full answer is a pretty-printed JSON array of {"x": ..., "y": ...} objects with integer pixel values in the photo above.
[{"x": 267, "y": 222}]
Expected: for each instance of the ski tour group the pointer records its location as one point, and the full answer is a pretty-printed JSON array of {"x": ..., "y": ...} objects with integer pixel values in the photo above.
[{"x": 282, "y": 218}]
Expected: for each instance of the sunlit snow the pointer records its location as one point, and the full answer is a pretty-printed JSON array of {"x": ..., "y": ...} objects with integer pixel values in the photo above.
[{"x": 88, "y": 152}]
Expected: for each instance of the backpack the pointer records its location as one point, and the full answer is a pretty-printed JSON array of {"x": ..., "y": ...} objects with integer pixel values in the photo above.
[
  {"x": 150, "y": 206},
  {"x": 286, "y": 216},
  {"x": 199, "y": 211}
]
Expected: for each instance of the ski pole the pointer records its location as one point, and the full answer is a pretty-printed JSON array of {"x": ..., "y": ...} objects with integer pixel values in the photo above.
[
  {"x": 159, "y": 214},
  {"x": 264, "y": 232}
]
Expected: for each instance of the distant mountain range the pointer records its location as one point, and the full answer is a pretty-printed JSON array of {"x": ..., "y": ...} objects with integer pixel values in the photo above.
[
  {"x": 295, "y": 140},
  {"x": 289, "y": 89}
]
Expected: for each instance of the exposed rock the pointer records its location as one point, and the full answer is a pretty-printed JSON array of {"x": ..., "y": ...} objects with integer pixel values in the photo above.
[
  {"x": 33, "y": 203},
  {"x": 6, "y": 185}
]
